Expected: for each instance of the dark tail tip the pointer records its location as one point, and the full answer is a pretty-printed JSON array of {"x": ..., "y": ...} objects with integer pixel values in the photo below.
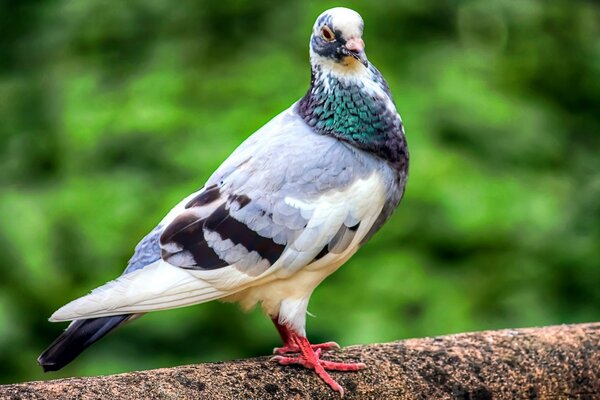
[{"x": 79, "y": 336}]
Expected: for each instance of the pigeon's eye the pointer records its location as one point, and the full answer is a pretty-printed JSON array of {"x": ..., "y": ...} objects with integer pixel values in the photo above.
[{"x": 327, "y": 34}]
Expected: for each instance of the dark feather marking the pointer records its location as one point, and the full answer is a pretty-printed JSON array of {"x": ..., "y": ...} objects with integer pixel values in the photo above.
[
  {"x": 221, "y": 222},
  {"x": 79, "y": 336},
  {"x": 334, "y": 241},
  {"x": 324, "y": 251},
  {"x": 210, "y": 194},
  {"x": 183, "y": 222},
  {"x": 241, "y": 199},
  {"x": 354, "y": 228},
  {"x": 186, "y": 232},
  {"x": 337, "y": 237}
]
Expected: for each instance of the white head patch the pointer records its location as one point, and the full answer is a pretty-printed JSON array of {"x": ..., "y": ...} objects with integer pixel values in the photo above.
[{"x": 347, "y": 21}]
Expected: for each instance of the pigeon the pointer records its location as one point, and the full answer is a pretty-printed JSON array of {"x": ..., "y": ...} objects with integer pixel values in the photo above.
[{"x": 288, "y": 207}]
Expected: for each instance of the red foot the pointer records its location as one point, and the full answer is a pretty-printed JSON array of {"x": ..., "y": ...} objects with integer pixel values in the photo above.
[
  {"x": 311, "y": 359},
  {"x": 309, "y": 356},
  {"x": 293, "y": 348},
  {"x": 327, "y": 365}
]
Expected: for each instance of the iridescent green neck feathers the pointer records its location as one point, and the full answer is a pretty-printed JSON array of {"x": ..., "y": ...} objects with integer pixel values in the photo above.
[{"x": 357, "y": 109}]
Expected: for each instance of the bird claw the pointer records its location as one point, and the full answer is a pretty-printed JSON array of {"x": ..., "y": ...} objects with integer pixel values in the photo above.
[
  {"x": 320, "y": 366},
  {"x": 327, "y": 365},
  {"x": 308, "y": 355},
  {"x": 292, "y": 348}
]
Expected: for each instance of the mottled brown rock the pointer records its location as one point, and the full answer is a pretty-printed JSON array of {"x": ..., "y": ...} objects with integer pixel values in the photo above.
[{"x": 559, "y": 362}]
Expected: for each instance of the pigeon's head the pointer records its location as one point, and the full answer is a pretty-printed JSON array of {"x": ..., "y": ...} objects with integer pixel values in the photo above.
[{"x": 336, "y": 40}]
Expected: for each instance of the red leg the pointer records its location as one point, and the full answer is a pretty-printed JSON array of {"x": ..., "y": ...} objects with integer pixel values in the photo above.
[
  {"x": 309, "y": 357},
  {"x": 286, "y": 337},
  {"x": 290, "y": 346}
]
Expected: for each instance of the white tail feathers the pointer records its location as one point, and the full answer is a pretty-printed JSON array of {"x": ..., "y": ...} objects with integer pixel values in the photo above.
[{"x": 159, "y": 286}]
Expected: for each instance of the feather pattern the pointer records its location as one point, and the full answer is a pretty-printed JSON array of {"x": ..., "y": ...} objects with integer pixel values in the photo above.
[{"x": 252, "y": 224}]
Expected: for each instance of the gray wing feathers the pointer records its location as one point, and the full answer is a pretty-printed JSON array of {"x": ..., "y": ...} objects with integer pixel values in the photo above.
[
  {"x": 146, "y": 252},
  {"x": 259, "y": 206},
  {"x": 342, "y": 239}
]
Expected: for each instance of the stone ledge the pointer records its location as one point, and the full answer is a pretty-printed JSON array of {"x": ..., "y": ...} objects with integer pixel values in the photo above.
[{"x": 556, "y": 362}]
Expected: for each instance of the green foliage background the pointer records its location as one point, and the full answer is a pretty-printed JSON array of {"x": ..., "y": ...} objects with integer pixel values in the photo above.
[{"x": 111, "y": 112}]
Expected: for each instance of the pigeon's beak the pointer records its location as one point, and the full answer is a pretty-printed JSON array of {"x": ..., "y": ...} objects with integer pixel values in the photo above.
[{"x": 355, "y": 47}]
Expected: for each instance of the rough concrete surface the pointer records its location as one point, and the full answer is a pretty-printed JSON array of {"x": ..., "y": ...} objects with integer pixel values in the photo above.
[{"x": 557, "y": 362}]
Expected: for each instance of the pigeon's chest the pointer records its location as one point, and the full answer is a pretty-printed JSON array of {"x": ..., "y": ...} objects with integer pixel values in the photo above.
[{"x": 333, "y": 234}]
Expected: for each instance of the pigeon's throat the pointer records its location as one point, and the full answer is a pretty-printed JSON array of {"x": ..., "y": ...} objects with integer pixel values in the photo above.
[
  {"x": 353, "y": 109},
  {"x": 358, "y": 111}
]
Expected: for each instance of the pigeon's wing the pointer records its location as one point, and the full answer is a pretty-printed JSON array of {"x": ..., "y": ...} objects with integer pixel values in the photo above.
[
  {"x": 286, "y": 199},
  {"x": 146, "y": 252}
]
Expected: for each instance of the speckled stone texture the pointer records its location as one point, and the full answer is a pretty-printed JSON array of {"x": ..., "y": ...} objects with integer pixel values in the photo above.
[{"x": 558, "y": 362}]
